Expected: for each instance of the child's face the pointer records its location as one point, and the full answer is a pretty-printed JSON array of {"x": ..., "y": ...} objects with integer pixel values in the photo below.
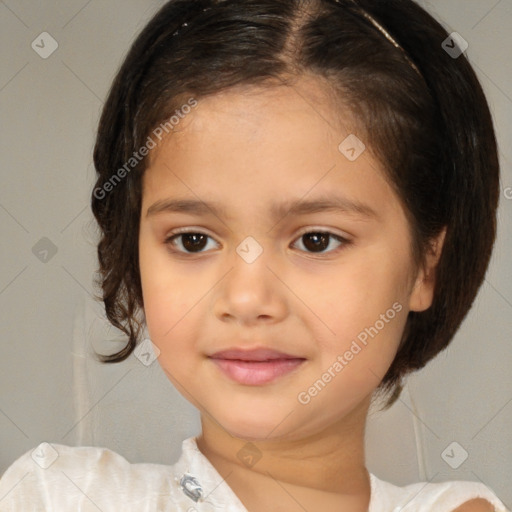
[{"x": 303, "y": 296}]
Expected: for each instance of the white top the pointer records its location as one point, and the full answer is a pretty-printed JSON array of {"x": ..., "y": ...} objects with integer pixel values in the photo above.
[{"x": 55, "y": 477}]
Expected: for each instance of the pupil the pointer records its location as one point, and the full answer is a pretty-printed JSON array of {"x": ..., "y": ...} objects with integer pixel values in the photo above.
[
  {"x": 194, "y": 245},
  {"x": 317, "y": 237}
]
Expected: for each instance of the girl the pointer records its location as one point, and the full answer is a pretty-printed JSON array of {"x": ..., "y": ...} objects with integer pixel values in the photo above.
[{"x": 298, "y": 200}]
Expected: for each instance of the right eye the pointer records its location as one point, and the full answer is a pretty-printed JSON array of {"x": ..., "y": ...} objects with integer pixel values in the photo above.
[{"x": 191, "y": 241}]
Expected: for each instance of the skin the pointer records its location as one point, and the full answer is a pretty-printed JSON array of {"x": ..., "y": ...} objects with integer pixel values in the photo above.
[{"x": 247, "y": 150}]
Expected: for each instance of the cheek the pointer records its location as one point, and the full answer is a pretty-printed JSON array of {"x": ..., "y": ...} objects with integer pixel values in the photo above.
[
  {"x": 168, "y": 295},
  {"x": 352, "y": 367},
  {"x": 362, "y": 313},
  {"x": 354, "y": 296},
  {"x": 170, "y": 322},
  {"x": 366, "y": 353},
  {"x": 169, "y": 316}
]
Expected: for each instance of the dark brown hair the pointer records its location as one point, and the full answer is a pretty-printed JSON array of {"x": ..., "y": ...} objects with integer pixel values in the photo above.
[{"x": 421, "y": 111}]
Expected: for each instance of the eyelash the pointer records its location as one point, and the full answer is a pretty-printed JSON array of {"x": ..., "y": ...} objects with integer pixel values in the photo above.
[{"x": 169, "y": 241}]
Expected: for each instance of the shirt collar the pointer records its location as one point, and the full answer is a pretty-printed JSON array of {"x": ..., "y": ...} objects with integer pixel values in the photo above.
[{"x": 202, "y": 483}]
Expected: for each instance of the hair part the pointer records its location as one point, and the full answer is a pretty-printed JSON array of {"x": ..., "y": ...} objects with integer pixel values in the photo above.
[{"x": 428, "y": 124}]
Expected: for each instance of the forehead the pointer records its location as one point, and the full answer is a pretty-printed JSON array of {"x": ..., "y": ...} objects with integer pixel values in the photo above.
[
  {"x": 262, "y": 145},
  {"x": 308, "y": 106}
]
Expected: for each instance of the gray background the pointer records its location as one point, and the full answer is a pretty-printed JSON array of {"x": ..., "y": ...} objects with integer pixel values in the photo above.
[{"x": 51, "y": 390}]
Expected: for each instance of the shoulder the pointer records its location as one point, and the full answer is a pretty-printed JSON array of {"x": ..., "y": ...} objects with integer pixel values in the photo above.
[
  {"x": 61, "y": 477},
  {"x": 476, "y": 505},
  {"x": 49, "y": 458},
  {"x": 451, "y": 496}
]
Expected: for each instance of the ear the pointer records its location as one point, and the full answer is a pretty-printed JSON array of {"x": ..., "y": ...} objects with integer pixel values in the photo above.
[{"x": 422, "y": 292}]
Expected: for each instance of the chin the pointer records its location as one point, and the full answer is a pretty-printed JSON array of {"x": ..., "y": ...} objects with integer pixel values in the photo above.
[
  {"x": 254, "y": 425},
  {"x": 265, "y": 426}
]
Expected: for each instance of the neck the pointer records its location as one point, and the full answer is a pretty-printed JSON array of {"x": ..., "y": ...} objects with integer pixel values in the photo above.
[{"x": 330, "y": 462}]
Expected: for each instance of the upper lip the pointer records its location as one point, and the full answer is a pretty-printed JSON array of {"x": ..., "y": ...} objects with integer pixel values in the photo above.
[{"x": 256, "y": 354}]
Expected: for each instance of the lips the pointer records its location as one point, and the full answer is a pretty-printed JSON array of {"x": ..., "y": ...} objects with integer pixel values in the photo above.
[
  {"x": 258, "y": 354},
  {"x": 255, "y": 367}
]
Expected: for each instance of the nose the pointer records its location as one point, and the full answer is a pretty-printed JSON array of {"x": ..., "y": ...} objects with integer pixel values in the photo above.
[{"x": 250, "y": 293}]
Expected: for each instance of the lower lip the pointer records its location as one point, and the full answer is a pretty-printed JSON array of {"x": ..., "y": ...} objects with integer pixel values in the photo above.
[{"x": 253, "y": 373}]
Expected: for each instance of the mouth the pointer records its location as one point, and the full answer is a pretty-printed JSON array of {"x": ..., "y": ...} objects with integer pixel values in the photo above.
[{"x": 255, "y": 367}]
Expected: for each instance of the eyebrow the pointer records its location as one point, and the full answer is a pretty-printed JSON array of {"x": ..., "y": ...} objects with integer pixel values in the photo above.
[{"x": 330, "y": 203}]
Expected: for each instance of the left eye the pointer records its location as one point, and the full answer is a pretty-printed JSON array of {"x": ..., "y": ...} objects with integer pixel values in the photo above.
[
  {"x": 319, "y": 241},
  {"x": 315, "y": 241}
]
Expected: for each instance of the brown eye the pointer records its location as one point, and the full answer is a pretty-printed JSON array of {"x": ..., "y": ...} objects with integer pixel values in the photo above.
[
  {"x": 319, "y": 241},
  {"x": 190, "y": 242}
]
